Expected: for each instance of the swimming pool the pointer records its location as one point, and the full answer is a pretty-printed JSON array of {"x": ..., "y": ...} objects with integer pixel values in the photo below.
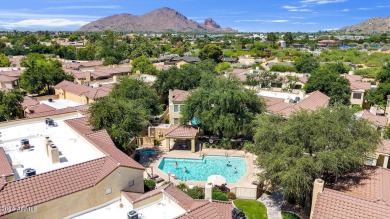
[{"x": 200, "y": 169}]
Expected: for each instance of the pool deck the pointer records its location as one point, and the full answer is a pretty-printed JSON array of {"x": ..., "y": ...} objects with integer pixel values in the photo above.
[{"x": 245, "y": 181}]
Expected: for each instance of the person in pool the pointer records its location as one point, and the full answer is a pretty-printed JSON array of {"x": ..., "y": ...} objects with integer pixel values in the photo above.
[
  {"x": 185, "y": 169},
  {"x": 176, "y": 164},
  {"x": 235, "y": 170},
  {"x": 228, "y": 164}
]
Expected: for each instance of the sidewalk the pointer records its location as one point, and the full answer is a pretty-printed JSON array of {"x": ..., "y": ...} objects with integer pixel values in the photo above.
[{"x": 273, "y": 203}]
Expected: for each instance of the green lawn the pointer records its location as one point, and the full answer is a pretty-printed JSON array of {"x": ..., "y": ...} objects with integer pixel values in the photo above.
[
  {"x": 286, "y": 215},
  {"x": 252, "y": 209}
]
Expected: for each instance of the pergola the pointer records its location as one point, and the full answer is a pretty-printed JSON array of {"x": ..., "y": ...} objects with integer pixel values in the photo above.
[{"x": 181, "y": 132}]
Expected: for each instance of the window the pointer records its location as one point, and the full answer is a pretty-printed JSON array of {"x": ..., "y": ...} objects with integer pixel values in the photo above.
[
  {"x": 357, "y": 96},
  {"x": 175, "y": 121},
  {"x": 131, "y": 183},
  {"x": 176, "y": 108},
  {"x": 108, "y": 191}
]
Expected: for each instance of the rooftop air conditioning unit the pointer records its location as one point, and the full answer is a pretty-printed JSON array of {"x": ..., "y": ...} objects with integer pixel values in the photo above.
[
  {"x": 29, "y": 172},
  {"x": 132, "y": 215}
]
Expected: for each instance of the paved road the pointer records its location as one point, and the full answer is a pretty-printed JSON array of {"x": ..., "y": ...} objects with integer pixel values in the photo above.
[{"x": 273, "y": 203}]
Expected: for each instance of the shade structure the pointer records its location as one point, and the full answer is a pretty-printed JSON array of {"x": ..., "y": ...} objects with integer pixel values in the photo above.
[{"x": 216, "y": 180}]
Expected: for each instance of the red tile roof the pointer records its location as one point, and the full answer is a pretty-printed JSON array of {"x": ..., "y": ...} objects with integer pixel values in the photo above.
[
  {"x": 102, "y": 141},
  {"x": 75, "y": 109},
  {"x": 90, "y": 92},
  {"x": 181, "y": 131},
  {"x": 44, "y": 187},
  {"x": 358, "y": 85},
  {"x": 181, "y": 198},
  {"x": 5, "y": 78},
  {"x": 41, "y": 108},
  {"x": 332, "y": 204},
  {"x": 214, "y": 209},
  {"x": 370, "y": 198},
  {"x": 15, "y": 73},
  {"x": 5, "y": 166},
  {"x": 314, "y": 101},
  {"x": 376, "y": 120},
  {"x": 270, "y": 101},
  {"x": 179, "y": 95},
  {"x": 384, "y": 147},
  {"x": 28, "y": 101}
]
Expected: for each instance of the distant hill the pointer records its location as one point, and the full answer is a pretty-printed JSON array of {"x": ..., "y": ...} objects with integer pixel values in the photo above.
[
  {"x": 373, "y": 25},
  {"x": 160, "y": 20}
]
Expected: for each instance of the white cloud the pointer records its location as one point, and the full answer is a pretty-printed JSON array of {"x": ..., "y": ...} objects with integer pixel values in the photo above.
[
  {"x": 278, "y": 21},
  {"x": 305, "y": 23},
  {"x": 77, "y": 7},
  {"x": 42, "y": 23},
  {"x": 345, "y": 10},
  {"x": 15, "y": 15},
  {"x": 296, "y": 8},
  {"x": 366, "y": 9},
  {"x": 321, "y": 2}
]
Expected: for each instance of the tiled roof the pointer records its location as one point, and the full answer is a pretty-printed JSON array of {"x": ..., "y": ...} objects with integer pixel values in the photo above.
[
  {"x": 75, "y": 109},
  {"x": 28, "y": 101},
  {"x": 135, "y": 197},
  {"x": 181, "y": 198},
  {"x": 270, "y": 101},
  {"x": 179, "y": 95},
  {"x": 15, "y": 73},
  {"x": 5, "y": 166},
  {"x": 314, "y": 101},
  {"x": 41, "y": 108},
  {"x": 102, "y": 141},
  {"x": 90, "y": 92},
  {"x": 332, "y": 204},
  {"x": 5, "y": 78},
  {"x": 181, "y": 131},
  {"x": 384, "y": 147},
  {"x": 376, "y": 120},
  {"x": 214, "y": 209},
  {"x": 44, "y": 187},
  {"x": 369, "y": 198},
  {"x": 358, "y": 85}
]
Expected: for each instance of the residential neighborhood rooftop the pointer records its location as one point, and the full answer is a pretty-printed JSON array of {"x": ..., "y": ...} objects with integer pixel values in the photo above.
[{"x": 72, "y": 148}]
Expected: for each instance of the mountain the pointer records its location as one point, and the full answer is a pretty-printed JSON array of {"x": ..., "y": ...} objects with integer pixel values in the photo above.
[
  {"x": 160, "y": 20},
  {"x": 373, "y": 25}
]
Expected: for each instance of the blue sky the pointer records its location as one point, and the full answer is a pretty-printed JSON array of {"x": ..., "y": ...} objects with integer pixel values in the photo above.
[{"x": 243, "y": 15}]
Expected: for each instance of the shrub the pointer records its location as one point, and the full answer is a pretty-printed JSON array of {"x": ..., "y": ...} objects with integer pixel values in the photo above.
[
  {"x": 196, "y": 193},
  {"x": 156, "y": 142},
  {"x": 149, "y": 185},
  {"x": 182, "y": 186},
  {"x": 231, "y": 195},
  {"x": 282, "y": 68},
  {"x": 220, "y": 196},
  {"x": 165, "y": 183}
]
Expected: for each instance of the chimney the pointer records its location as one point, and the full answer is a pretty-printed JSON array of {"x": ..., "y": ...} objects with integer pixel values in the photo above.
[
  {"x": 54, "y": 154},
  {"x": 88, "y": 76},
  {"x": 208, "y": 191},
  {"x": 48, "y": 142},
  {"x": 318, "y": 187}
]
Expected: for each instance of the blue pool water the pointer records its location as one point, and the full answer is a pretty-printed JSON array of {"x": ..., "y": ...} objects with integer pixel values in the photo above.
[{"x": 200, "y": 169}]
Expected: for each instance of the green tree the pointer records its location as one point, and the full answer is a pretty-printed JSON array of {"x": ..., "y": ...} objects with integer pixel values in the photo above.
[
  {"x": 11, "y": 105},
  {"x": 329, "y": 82},
  {"x": 296, "y": 151},
  {"x": 123, "y": 119},
  {"x": 306, "y": 63},
  {"x": 144, "y": 65},
  {"x": 4, "y": 61},
  {"x": 223, "y": 66},
  {"x": 223, "y": 106},
  {"x": 271, "y": 37},
  {"x": 139, "y": 92},
  {"x": 379, "y": 95},
  {"x": 289, "y": 38},
  {"x": 211, "y": 51},
  {"x": 186, "y": 78},
  {"x": 42, "y": 74}
]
